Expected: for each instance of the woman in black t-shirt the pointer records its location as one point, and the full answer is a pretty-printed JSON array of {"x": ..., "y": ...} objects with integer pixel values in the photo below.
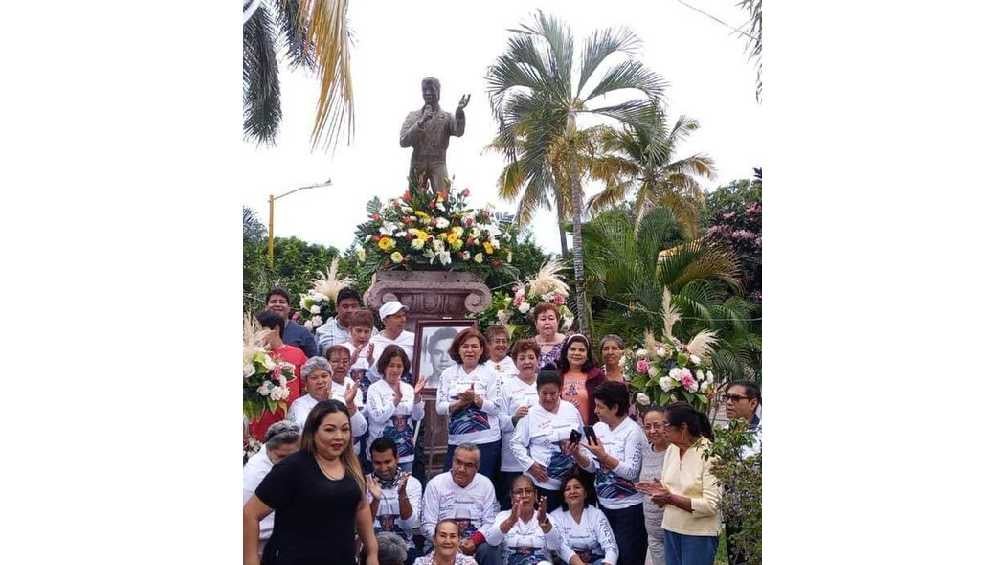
[{"x": 317, "y": 496}]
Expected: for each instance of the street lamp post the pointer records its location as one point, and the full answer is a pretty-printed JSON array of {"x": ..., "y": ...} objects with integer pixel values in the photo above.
[{"x": 271, "y": 217}]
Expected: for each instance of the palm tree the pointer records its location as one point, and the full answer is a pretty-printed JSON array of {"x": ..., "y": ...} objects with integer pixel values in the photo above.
[
  {"x": 316, "y": 38},
  {"x": 628, "y": 266},
  {"x": 639, "y": 160},
  {"x": 536, "y": 101}
]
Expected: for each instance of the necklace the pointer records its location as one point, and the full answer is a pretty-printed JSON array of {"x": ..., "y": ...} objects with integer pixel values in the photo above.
[{"x": 323, "y": 471}]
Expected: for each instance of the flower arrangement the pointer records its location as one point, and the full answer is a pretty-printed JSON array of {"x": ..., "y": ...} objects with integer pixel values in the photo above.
[
  {"x": 423, "y": 228},
  {"x": 513, "y": 310},
  {"x": 264, "y": 378},
  {"x": 317, "y": 305},
  {"x": 670, "y": 370}
]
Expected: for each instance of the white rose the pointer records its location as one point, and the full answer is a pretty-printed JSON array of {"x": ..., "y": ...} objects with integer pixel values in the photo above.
[
  {"x": 442, "y": 222},
  {"x": 705, "y": 387},
  {"x": 315, "y": 309},
  {"x": 444, "y": 257},
  {"x": 661, "y": 352},
  {"x": 711, "y": 376},
  {"x": 524, "y": 307},
  {"x": 643, "y": 399},
  {"x": 666, "y": 383},
  {"x": 466, "y": 256},
  {"x": 438, "y": 245},
  {"x": 276, "y": 393},
  {"x": 268, "y": 363},
  {"x": 316, "y": 321},
  {"x": 674, "y": 374},
  {"x": 264, "y": 389},
  {"x": 248, "y": 369},
  {"x": 641, "y": 353},
  {"x": 695, "y": 359},
  {"x": 700, "y": 375},
  {"x": 653, "y": 371}
]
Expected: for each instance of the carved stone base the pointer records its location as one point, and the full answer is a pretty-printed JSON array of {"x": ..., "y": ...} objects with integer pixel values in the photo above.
[{"x": 430, "y": 295}]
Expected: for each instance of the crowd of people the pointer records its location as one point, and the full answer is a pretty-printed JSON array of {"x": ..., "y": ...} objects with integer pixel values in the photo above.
[{"x": 547, "y": 457}]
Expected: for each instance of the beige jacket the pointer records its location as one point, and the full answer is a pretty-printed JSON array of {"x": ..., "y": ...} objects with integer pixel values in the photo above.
[{"x": 691, "y": 477}]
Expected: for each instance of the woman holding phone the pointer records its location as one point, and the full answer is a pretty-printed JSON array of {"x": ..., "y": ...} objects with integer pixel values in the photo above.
[{"x": 545, "y": 439}]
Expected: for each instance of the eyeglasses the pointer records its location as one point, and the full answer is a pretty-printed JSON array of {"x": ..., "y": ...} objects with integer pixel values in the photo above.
[
  {"x": 524, "y": 491},
  {"x": 500, "y": 341},
  {"x": 734, "y": 397}
]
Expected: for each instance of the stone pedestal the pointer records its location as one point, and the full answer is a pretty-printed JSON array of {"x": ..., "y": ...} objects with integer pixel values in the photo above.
[{"x": 430, "y": 295}]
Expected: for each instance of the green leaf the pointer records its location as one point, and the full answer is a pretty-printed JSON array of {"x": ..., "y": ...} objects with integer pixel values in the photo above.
[{"x": 373, "y": 206}]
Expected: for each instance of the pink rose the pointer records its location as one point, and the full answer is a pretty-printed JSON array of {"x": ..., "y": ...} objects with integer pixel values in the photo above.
[
  {"x": 559, "y": 299},
  {"x": 518, "y": 300},
  {"x": 642, "y": 366},
  {"x": 688, "y": 381}
]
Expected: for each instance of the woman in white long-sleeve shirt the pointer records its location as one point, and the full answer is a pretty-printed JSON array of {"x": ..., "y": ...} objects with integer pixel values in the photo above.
[
  {"x": 518, "y": 394},
  {"x": 325, "y": 381},
  {"x": 586, "y": 537},
  {"x": 391, "y": 405},
  {"x": 615, "y": 457},
  {"x": 468, "y": 394},
  {"x": 541, "y": 442},
  {"x": 281, "y": 440},
  {"x": 525, "y": 536}
]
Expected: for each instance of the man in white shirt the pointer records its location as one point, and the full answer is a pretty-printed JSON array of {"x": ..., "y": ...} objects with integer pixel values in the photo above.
[
  {"x": 467, "y": 497},
  {"x": 394, "y": 316},
  {"x": 395, "y": 497},
  {"x": 336, "y": 330}
]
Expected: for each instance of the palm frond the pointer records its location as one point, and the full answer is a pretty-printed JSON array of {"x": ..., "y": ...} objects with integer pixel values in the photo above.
[
  {"x": 299, "y": 50},
  {"x": 262, "y": 110},
  {"x": 559, "y": 41},
  {"x": 599, "y": 46},
  {"x": 630, "y": 74},
  {"x": 327, "y": 29}
]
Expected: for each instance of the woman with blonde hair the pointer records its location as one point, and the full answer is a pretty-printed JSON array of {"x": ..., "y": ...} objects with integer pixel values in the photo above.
[{"x": 317, "y": 495}]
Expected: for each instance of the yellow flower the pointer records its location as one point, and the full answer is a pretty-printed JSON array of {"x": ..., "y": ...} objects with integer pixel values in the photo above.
[
  {"x": 421, "y": 214},
  {"x": 443, "y": 236},
  {"x": 385, "y": 244},
  {"x": 455, "y": 242},
  {"x": 488, "y": 248},
  {"x": 396, "y": 257},
  {"x": 457, "y": 231}
]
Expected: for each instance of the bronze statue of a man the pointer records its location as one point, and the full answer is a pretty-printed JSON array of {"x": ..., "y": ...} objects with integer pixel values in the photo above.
[{"x": 427, "y": 131}]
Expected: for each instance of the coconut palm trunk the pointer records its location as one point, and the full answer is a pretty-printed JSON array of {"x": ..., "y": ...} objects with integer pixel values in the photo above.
[{"x": 582, "y": 305}]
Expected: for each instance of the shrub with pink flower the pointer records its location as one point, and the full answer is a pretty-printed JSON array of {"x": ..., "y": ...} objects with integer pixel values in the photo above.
[{"x": 642, "y": 366}]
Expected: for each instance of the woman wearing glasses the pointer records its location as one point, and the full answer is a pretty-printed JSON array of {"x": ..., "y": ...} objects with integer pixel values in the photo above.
[
  {"x": 524, "y": 533},
  {"x": 652, "y": 457},
  {"x": 468, "y": 394}
]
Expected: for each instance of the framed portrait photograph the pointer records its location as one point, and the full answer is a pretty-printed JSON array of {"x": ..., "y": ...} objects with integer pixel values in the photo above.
[{"x": 433, "y": 339}]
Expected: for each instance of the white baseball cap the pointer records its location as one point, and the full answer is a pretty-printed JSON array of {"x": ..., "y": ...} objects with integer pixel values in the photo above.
[{"x": 390, "y": 308}]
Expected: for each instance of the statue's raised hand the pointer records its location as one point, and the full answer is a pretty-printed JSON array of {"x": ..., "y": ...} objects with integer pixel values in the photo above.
[{"x": 463, "y": 102}]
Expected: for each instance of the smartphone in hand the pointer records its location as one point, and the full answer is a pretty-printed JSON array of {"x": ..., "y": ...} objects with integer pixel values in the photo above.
[
  {"x": 590, "y": 434},
  {"x": 574, "y": 436}
]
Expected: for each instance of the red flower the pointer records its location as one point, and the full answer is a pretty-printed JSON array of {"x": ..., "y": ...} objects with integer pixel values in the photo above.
[
  {"x": 375, "y": 217},
  {"x": 407, "y": 196},
  {"x": 375, "y": 237},
  {"x": 466, "y": 192}
]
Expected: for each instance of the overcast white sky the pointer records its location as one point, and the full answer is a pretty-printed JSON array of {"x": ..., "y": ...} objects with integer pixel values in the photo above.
[{"x": 398, "y": 43}]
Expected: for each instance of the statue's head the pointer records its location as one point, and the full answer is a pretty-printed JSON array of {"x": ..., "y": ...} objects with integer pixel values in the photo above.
[{"x": 430, "y": 90}]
